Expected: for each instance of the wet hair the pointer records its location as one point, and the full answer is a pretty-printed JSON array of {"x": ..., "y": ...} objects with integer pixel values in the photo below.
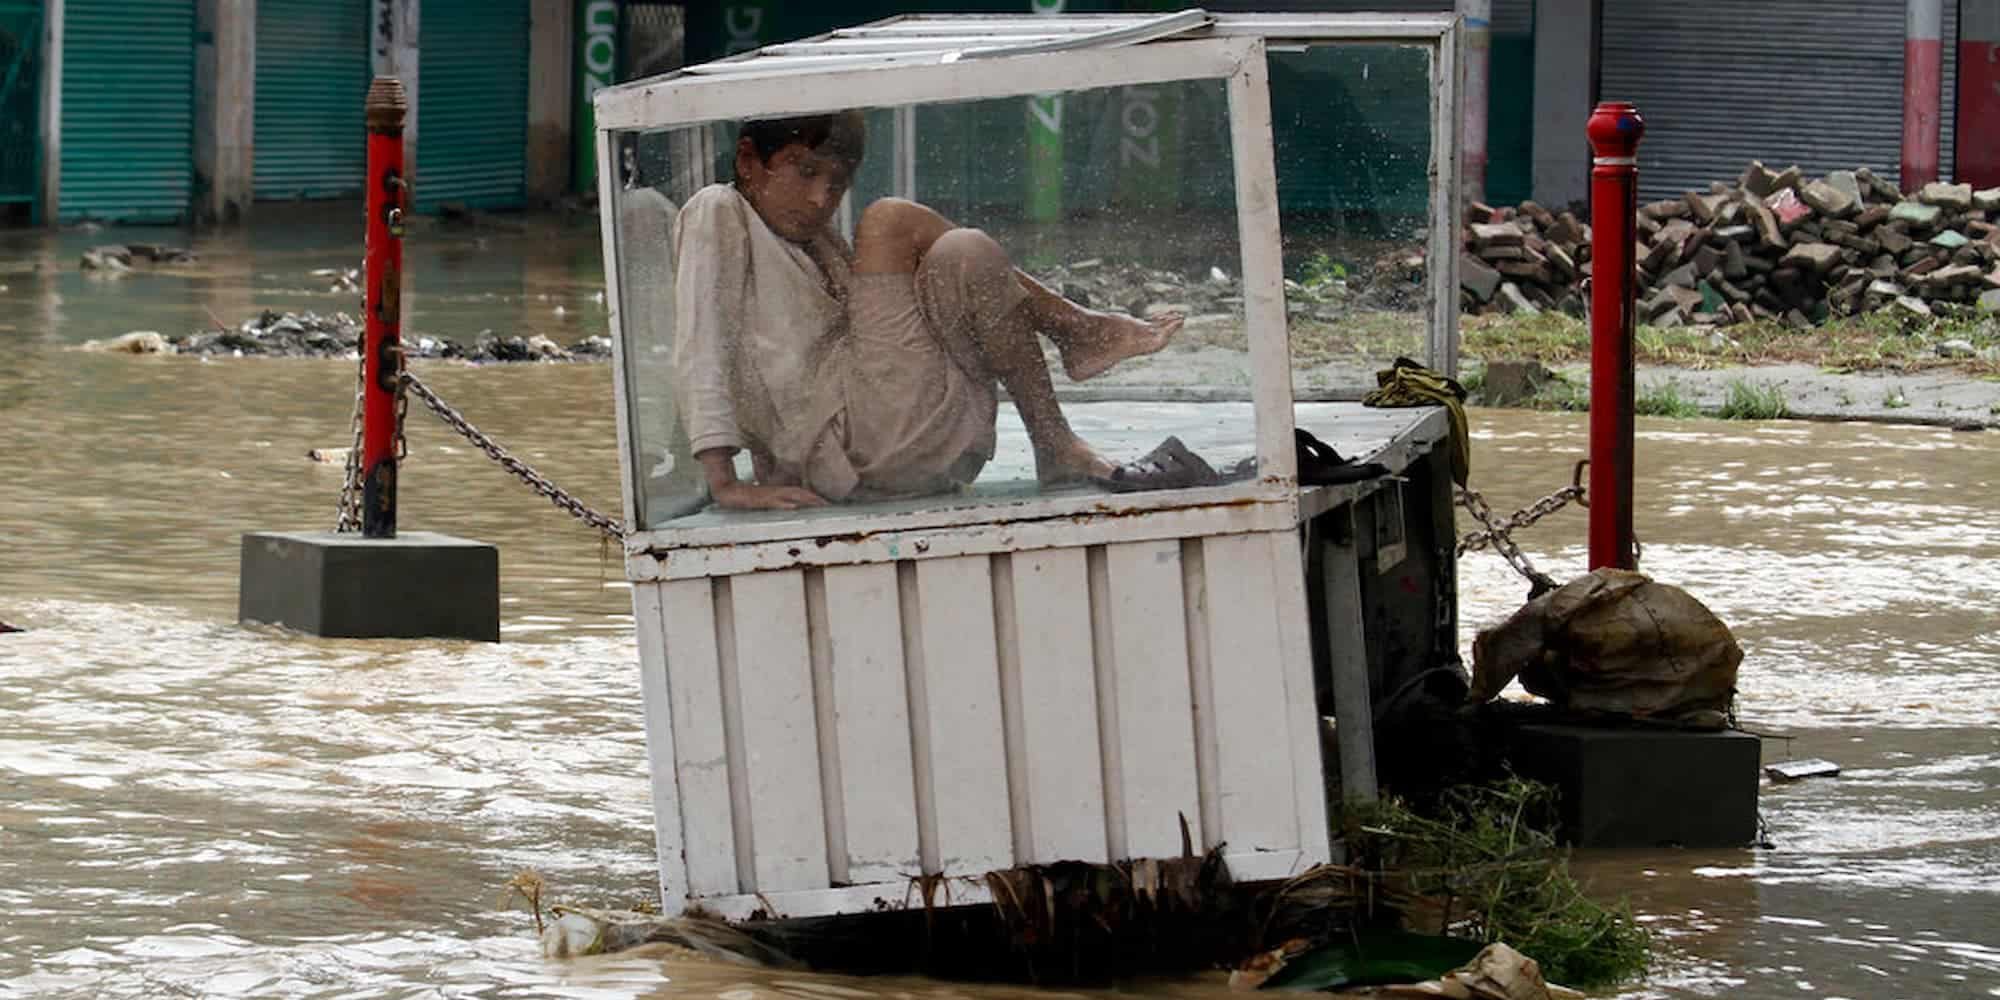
[{"x": 843, "y": 135}]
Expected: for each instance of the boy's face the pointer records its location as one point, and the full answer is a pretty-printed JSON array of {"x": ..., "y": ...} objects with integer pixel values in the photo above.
[{"x": 796, "y": 192}]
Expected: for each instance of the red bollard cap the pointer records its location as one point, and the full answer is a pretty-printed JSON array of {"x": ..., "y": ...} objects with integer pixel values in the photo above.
[{"x": 1614, "y": 129}]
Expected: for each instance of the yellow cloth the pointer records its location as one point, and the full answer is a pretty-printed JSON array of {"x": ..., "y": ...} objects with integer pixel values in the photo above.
[{"x": 1410, "y": 384}]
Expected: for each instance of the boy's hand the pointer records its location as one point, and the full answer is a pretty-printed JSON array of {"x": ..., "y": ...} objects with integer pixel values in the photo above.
[{"x": 739, "y": 495}]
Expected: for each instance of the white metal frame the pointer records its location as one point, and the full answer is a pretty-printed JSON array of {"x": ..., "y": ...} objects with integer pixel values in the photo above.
[{"x": 925, "y": 55}]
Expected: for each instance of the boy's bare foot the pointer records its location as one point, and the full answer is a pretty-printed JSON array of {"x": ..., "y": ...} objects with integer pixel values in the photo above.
[
  {"x": 1074, "y": 463},
  {"x": 1112, "y": 338}
]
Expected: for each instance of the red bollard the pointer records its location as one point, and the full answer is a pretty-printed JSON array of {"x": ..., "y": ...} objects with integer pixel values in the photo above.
[
  {"x": 382, "y": 306},
  {"x": 1615, "y": 128},
  {"x": 1923, "y": 91}
]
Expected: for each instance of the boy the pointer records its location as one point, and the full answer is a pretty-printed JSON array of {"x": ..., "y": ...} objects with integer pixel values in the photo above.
[{"x": 864, "y": 372}]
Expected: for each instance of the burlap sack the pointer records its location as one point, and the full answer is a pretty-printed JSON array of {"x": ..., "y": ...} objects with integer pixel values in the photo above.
[{"x": 1616, "y": 642}]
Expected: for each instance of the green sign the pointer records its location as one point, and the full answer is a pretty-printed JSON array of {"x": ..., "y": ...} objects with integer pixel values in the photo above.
[
  {"x": 596, "y": 68},
  {"x": 1045, "y": 142},
  {"x": 1149, "y": 135}
]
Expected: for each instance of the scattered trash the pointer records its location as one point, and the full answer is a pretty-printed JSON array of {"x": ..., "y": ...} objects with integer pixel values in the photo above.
[
  {"x": 6, "y": 628},
  {"x": 136, "y": 342},
  {"x": 345, "y": 279},
  {"x": 1811, "y": 767},
  {"x": 330, "y": 456},
  {"x": 1366, "y": 958},
  {"x": 1497, "y": 973},
  {"x": 117, "y": 258},
  {"x": 338, "y": 335}
]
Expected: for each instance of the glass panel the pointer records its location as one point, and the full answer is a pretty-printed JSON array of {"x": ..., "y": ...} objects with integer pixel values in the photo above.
[
  {"x": 888, "y": 355},
  {"x": 1353, "y": 138}
]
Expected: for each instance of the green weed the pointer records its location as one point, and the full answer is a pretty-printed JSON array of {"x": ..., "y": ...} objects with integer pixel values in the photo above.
[
  {"x": 1484, "y": 864},
  {"x": 1749, "y": 401},
  {"x": 1664, "y": 399}
]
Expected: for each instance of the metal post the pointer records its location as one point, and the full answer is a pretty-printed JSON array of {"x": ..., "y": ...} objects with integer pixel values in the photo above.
[
  {"x": 382, "y": 349},
  {"x": 1614, "y": 129},
  {"x": 1346, "y": 636},
  {"x": 1923, "y": 91},
  {"x": 1478, "y": 16},
  {"x": 1978, "y": 142}
]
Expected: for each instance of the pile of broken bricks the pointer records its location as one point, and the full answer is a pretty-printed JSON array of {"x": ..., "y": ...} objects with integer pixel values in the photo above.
[{"x": 1774, "y": 246}]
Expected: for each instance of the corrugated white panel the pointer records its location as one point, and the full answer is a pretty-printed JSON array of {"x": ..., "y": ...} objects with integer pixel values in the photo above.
[
  {"x": 1818, "y": 83},
  {"x": 854, "y": 725}
]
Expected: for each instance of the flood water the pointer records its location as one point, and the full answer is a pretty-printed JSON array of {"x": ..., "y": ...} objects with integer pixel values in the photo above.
[{"x": 193, "y": 808}]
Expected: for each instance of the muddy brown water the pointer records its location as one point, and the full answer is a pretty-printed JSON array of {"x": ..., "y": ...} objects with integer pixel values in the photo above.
[{"x": 193, "y": 808}]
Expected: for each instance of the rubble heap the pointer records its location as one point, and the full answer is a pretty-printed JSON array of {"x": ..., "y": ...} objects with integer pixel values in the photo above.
[
  {"x": 306, "y": 334},
  {"x": 1773, "y": 246}
]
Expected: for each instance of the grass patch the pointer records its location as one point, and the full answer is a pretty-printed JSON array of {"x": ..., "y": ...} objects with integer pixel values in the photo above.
[
  {"x": 1664, "y": 399},
  {"x": 1562, "y": 394},
  {"x": 1484, "y": 864},
  {"x": 1750, "y": 401},
  {"x": 1870, "y": 342},
  {"x": 1472, "y": 379}
]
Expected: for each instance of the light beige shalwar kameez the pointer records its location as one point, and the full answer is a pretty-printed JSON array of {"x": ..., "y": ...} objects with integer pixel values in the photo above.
[{"x": 856, "y": 386}]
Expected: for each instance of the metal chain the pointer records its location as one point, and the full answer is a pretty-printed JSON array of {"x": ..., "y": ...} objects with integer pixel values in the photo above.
[
  {"x": 348, "y": 517},
  {"x": 1499, "y": 534},
  {"x": 535, "y": 480}
]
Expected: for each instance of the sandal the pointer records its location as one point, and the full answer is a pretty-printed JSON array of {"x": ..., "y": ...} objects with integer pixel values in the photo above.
[
  {"x": 1170, "y": 466},
  {"x": 1320, "y": 465}
]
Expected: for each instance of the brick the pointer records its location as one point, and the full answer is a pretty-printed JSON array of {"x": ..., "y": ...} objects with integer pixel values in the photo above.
[
  {"x": 1487, "y": 234},
  {"x": 1703, "y": 207},
  {"x": 1915, "y": 213},
  {"x": 1949, "y": 240},
  {"x": 1828, "y": 200},
  {"x": 1767, "y": 224},
  {"x": 1672, "y": 208},
  {"x": 1475, "y": 277},
  {"x": 1894, "y": 240},
  {"x": 1514, "y": 302},
  {"x": 1785, "y": 204},
  {"x": 1876, "y": 188},
  {"x": 1817, "y": 258},
  {"x": 1957, "y": 197},
  {"x": 1758, "y": 179}
]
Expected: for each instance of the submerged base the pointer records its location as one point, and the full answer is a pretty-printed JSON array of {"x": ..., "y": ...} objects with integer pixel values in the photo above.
[
  {"x": 1645, "y": 787},
  {"x": 418, "y": 585}
]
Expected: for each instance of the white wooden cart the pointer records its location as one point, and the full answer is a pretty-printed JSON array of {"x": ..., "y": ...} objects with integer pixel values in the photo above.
[{"x": 840, "y": 701}]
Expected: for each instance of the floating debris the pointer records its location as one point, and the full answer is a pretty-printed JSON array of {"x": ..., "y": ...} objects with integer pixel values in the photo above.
[
  {"x": 118, "y": 257},
  {"x": 338, "y": 335},
  {"x": 1811, "y": 767}
]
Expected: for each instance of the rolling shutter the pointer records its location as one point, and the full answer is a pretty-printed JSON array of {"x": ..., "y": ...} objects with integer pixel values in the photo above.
[
  {"x": 1818, "y": 83},
  {"x": 127, "y": 110},
  {"x": 472, "y": 104},
  {"x": 312, "y": 75},
  {"x": 20, "y": 90}
]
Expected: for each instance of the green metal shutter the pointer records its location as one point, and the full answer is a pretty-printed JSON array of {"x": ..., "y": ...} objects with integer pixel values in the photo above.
[
  {"x": 472, "y": 104},
  {"x": 128, "y": 109},
  {"x": 20, "y": 109},
  {"x": 312, "y": 74}
]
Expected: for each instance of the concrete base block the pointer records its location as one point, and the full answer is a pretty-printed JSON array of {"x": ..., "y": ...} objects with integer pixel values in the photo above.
[
  {"x": 417, "y": 585},
  {"x": 1646, "y": 787}
]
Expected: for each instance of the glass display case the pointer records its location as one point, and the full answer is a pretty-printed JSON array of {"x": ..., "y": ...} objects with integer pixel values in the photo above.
[{"x": 959, "y": 364}]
